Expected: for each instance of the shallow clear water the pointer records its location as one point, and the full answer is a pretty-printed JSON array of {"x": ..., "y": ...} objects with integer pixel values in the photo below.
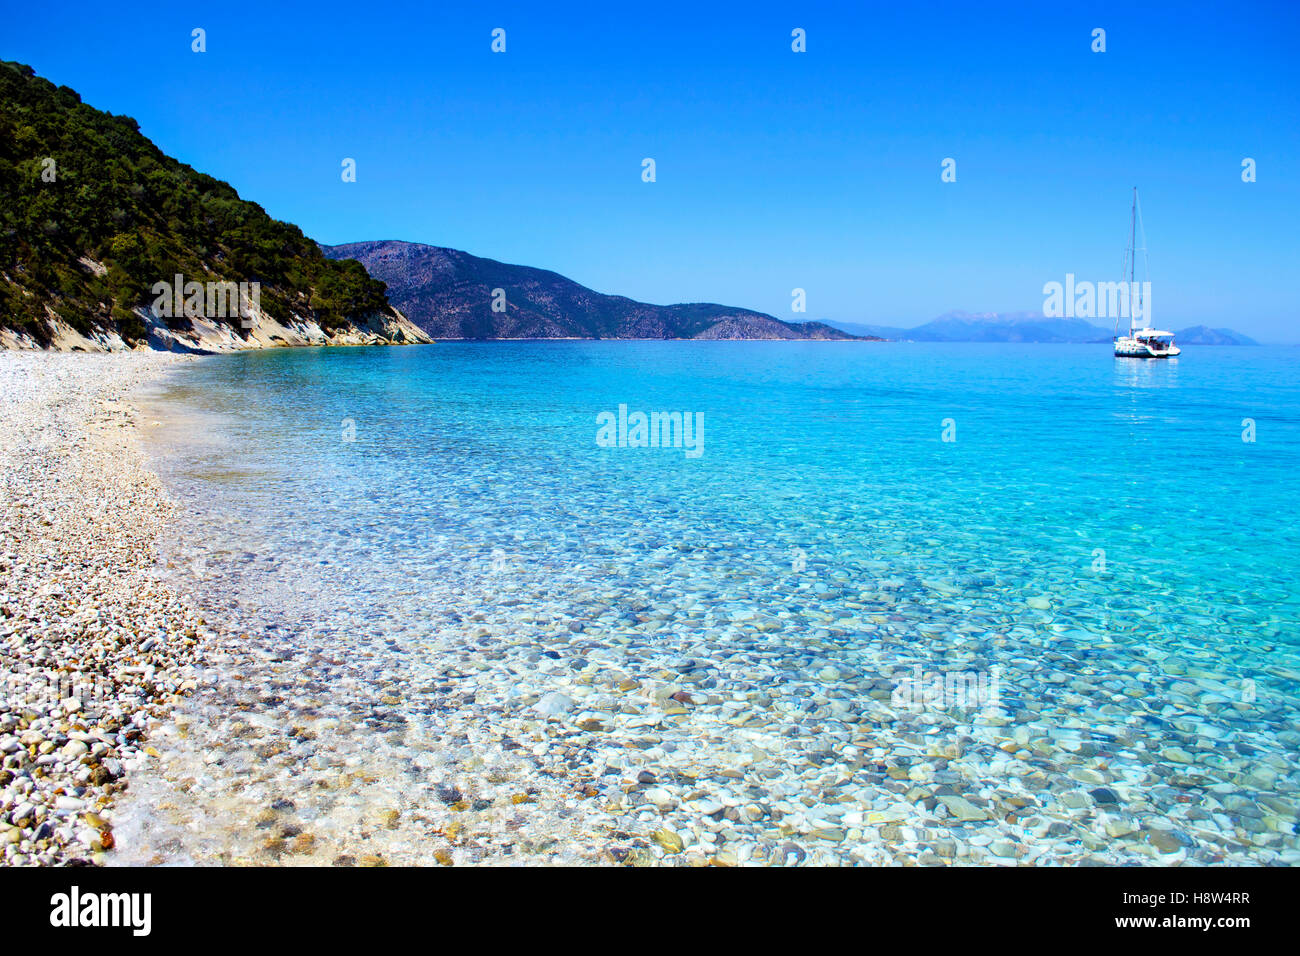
[{"x": 424, "y": 541}]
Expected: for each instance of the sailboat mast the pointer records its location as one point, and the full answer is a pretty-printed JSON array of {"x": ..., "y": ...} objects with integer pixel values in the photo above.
[{"x": 1132, "y": 261}]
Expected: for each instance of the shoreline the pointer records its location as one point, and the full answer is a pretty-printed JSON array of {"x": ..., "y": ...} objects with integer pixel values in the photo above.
[{"x": 95, "y": 648}]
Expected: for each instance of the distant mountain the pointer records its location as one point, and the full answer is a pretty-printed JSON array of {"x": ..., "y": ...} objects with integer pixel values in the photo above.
[
  {"x": 449, "y": 294},
  {"x": 1026, "y": 327},
  {"x": 872, "y": 331},
  {"x": 993, "y": 327},
  {"x": 93, "y": 215},
  {"x": 1204, "y": 335},
  {"x": 1007, "y": 327}
]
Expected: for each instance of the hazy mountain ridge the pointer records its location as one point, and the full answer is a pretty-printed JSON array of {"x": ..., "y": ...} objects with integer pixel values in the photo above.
[
  {"x": 1027, "y": 327},
  {"x": 1204, "y": 335},
  {"x": 449, "y": 294}
]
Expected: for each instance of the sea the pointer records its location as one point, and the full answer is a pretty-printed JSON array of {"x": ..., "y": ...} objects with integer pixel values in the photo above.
[{"x": 732, "y": 602}]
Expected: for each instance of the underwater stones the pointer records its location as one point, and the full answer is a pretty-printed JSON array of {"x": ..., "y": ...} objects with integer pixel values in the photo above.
[
  {"x": 554, "y": 704},
  {"x": 790, "y": 854},
  {"x": 640, "y": 856},
  {"x": 660, "y": 798},
  {"x": 1261, "y": 777},
  {"x": 1119, "y": 827},
  {"x": 670, "y": 841},
  {"x": 963, "y": 810},
  {"x": 1164, "y": 841},
  {"x": 1005, "y": 849},
  {"x": 831, "y": 834},
  {"x": 707, "y": 806},
  {"x": 1086, "y": 775},
  {"x": 1286, "y": 807}
]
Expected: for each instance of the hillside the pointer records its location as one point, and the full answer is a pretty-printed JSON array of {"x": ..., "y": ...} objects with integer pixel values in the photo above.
[
  {"x": 449, "y": 295},
  {"x": 93, "y": 215}
]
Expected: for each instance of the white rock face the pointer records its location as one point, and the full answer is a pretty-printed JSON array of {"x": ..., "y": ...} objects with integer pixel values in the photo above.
[{"x": 214, "y": 335}]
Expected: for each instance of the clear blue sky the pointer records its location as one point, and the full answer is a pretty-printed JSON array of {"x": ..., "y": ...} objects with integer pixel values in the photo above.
[{"x": 775, "y": 170}]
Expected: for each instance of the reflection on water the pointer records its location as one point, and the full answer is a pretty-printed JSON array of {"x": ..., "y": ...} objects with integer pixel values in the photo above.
[{"x": 1146, "y": 373}]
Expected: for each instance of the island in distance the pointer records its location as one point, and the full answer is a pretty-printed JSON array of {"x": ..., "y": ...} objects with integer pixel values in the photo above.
[
  {"x": 1026, "y": 327},
  {"x": 448, "y": 294}
]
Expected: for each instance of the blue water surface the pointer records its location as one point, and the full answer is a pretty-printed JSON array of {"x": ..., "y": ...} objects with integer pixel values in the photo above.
[{"x": 1101, "y": 531}]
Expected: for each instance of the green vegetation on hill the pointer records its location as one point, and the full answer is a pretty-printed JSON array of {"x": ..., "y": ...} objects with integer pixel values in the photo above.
[{"x": 118, "y": 200}]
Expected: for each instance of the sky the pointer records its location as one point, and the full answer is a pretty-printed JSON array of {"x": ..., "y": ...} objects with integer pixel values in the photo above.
[{"x": 775, "y": 170}]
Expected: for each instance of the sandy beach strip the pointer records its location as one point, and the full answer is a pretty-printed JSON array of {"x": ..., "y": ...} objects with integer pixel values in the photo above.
[{"x": 94, "y": 647}]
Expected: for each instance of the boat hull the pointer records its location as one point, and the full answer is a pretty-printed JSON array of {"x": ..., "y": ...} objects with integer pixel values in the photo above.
[
  {"x": 1137, "y": 348},
  {"x": 1146, "y": 355}
]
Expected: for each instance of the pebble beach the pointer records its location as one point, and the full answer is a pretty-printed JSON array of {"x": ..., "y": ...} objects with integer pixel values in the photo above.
[{"x": 94, "y": 649}]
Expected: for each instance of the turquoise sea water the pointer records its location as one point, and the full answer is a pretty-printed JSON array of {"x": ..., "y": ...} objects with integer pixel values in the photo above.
[{"x": 1096, "y": 538}]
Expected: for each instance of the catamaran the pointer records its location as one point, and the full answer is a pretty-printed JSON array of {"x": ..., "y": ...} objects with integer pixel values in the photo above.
[{"x": 1144, "y": 342}]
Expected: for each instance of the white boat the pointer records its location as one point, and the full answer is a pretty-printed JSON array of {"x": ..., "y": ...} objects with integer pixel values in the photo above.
[{"x": 1144, "y": 342}]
